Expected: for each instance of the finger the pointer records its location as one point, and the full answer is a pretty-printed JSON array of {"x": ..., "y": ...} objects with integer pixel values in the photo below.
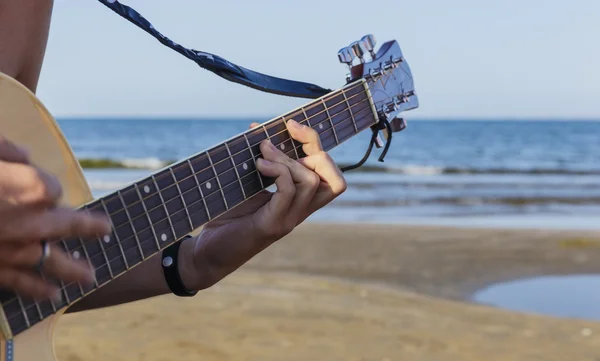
[
  {"x": 254, "y": 125},
  {"x": 24, "y": 185},
  {"x": 64, "y": 267},
  {"x": 306, "y": 181},
  {"x": 11, "y": 152},
  {"x": 269, "y": 216},
  {"x": 27, "y": 255},
  {"x": 58, "y": 223},
  {"x": 333, "y": 183},
  {"x": 311, "y": 143},
  {"x": 27, "y": 283}
]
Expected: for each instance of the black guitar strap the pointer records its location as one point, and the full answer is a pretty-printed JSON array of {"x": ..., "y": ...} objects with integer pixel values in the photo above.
[{"x": 220, "y": 66}]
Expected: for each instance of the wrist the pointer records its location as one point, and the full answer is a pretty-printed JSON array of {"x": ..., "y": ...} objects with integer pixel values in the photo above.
[{"x": 187, "y": 270}]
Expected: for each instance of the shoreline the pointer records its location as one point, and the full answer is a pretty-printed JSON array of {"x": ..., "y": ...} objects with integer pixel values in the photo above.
[{"x": 357, "y": 292}]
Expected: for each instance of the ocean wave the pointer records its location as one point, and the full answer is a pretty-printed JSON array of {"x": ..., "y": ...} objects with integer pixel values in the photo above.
[
  {"x": 140, "y": 163},
  {"x": 471, "y": 201},
  {"x": 152, "y": 163},
  {"x": 433, "y": 170}
]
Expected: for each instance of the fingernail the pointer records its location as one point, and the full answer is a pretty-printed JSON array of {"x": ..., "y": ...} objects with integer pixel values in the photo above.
[
  {"x": 294, "y": 124},
  {"x": 264, "y": 161}
]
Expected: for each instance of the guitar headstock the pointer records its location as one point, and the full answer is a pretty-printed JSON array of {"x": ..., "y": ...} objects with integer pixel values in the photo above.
[{"x": 387, "y": 74}]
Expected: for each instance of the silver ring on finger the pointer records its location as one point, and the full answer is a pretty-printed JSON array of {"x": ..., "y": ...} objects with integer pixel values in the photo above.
[{"x": 45, "y": 255}]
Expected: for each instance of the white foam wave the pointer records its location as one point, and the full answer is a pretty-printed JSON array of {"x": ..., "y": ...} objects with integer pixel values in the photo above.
[
  {"x": 418, "y": 170},
  {"x": 144, "y": 163}
]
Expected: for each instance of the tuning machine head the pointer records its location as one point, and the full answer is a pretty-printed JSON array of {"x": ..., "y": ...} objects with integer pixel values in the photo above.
[
  {"x": 369, "y": 42},
  {"x": 359, "y": 50},
  {"x": 346, "y": 55}
]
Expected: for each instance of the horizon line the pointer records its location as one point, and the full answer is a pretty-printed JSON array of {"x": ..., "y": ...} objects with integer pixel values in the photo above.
[{"x": 267, "y": 118}]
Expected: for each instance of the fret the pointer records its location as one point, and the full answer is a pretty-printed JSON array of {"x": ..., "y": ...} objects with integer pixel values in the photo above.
[
  {"x": 279, "y": 136},
  {"x": 164, "y": 237},
  {"x": 185, "y": 206},
  {"x": 248, "y": 173},
  {"x": 200, "y": 190},
  {"x": 292, "y": 140},
  {"x": 27, "y": 322},
  {"x": 330, "y": 121},
  {"x": 204, "y": 176},
  {"x": 33, "y": 314},
  {"x": 254, "y": 161},
  {"x": 212, "y": 166},
  {"x": 306, "y": 117},
  {"x": 127, "y": 234},
  {"x": 299, "y": 117},
  {"x": 178, "y": 217},
  {"x": 115, "y": 236},
  {"x": 39, "y": 310},
  {"x": 236, "y": 171},
  {"x": 338, "y": 109},
  {"x": 97, "y": 256},
  {"x": 74, "y": 290},
  {"x": 14, "y": 313},
  {"x": 351, "y": 113},
  {"x": 89, "y": 261},
  {"x": 147, "y": 247},
  {"x": 191, "y": 195},
  {"x": 43, "y": 305},
  {"x": 136, "y": 212}
]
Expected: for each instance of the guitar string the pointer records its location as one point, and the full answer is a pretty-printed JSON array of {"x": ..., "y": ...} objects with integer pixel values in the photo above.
[
  {"x": 344, "y": 121},
  {"x": 229, "y": 158},
  {"x": 138, "y": 243},
  {"x": 205, "y": 154},
  {"x": 150, "y": 240},
  {"x": 64, "y": 288}
]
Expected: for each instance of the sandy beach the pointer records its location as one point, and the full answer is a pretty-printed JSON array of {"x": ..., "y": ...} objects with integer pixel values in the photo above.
[{"x": 356, "y": 292}]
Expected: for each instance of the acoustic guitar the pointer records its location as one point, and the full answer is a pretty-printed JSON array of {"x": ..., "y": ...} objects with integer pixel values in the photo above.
[{"x": 154, "y": 212}]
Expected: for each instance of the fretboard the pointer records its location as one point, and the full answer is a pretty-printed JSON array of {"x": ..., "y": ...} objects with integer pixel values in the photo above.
[{"x": 153, "y": 213}]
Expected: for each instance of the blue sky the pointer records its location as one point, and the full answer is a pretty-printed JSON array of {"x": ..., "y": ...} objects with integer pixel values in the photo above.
[{"x": 473, "y": 59}]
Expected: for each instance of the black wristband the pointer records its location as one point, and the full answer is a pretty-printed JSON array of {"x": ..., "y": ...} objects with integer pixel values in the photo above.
[{"x": 171, "y": 270}]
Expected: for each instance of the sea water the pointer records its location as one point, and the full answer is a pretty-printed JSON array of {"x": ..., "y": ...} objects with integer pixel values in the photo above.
[{"x": 486, "y": 173}]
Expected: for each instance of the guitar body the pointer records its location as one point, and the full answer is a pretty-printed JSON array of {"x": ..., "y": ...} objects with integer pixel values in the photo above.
[{"x": 25, "y": 121}]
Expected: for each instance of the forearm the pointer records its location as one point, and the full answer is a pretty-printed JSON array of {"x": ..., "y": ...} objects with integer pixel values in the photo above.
[{"x": 141, "y": 282}]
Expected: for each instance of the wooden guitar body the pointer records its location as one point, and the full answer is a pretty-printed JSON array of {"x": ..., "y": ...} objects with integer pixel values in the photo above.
[{"x": 25, "y": 121}]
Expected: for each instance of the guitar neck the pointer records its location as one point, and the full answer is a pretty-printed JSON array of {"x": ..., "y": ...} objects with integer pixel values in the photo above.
[{"x": 155, "y": 212}]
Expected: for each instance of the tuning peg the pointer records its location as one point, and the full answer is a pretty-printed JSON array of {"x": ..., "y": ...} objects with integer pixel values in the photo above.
[
  {"x": 359, "y": 50},
  {"x": 346, "y": 56},
  {"x": 369, "y": 43}
]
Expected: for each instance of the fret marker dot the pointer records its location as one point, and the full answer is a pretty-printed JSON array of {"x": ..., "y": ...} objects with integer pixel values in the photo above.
[
  {"x": 163, "y": 237},
  {"x": 245, "y": 166},
  {"x": 76, "y": 255},
  {"x": 320, "y": 126},
  {"x": 208, "y": 185},
  {"x": 282, "y": 146},
  {"x": 106, "y": 239},
  {"x": 146, "y": 189},
  {"x": 167, "y": 262}
]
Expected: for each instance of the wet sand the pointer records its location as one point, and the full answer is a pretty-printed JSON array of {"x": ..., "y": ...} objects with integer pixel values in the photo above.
[{"x": 356, "y": 292}]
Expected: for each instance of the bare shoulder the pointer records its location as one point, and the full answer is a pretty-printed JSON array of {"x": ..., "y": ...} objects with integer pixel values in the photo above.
[{"x": 24, "y": 26}]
